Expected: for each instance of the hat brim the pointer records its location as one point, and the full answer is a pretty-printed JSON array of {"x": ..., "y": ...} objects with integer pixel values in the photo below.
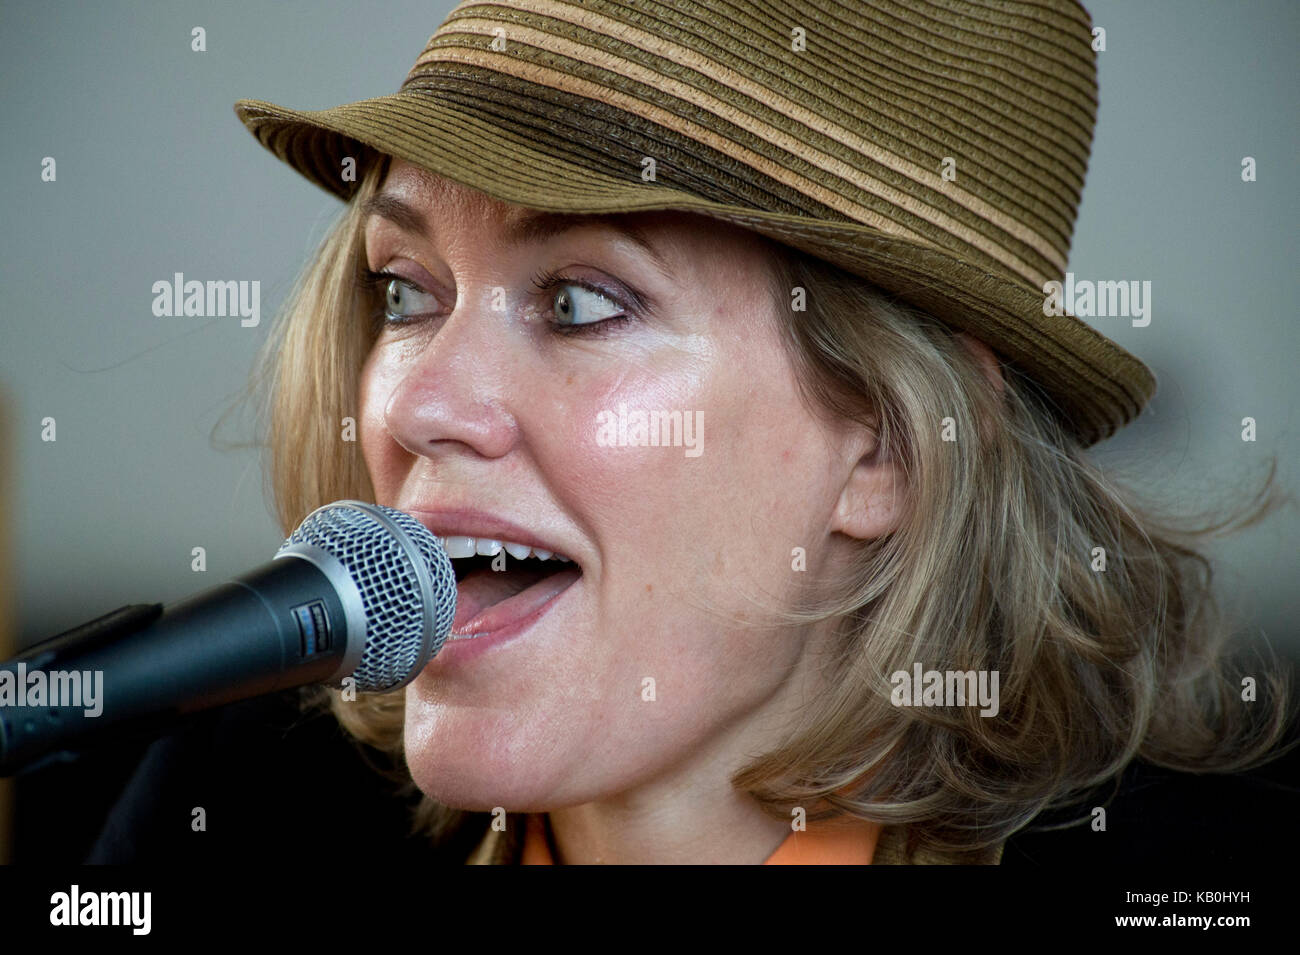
[{"x": 1097, "y": 386}]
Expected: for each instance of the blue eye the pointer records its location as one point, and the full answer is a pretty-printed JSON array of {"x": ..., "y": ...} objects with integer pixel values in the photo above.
[
  {"x": 404, "y": 300},
  {"x": 570, "y": 310},
  {"x": 577, "y": 303}
]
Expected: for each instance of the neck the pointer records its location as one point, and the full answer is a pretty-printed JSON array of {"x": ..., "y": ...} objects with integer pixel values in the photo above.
[
  {"x": 689, "y": 812},
  {"x": 691, "y": 815}
]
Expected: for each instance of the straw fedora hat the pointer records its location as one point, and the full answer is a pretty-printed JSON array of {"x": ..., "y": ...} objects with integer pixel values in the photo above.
[{"x": 938, "y": 148}]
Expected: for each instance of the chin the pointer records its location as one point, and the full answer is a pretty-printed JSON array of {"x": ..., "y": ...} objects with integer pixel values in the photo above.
[
  {"x": 471, "y": 791},
  {"x": 454, "y": 769}
]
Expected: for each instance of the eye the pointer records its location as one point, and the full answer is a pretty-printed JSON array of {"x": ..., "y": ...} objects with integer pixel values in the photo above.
[
  {"x": 403, "y": 299},
  {"x": 577, "y": 302}
]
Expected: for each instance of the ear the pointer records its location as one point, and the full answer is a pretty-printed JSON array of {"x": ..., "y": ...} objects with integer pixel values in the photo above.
[
  {"x": 871, "y": 502},
  {"x": 986, "y": 359}
]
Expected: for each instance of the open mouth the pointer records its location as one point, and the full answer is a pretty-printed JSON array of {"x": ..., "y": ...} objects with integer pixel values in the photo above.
[{"x": 494, "y": 590}]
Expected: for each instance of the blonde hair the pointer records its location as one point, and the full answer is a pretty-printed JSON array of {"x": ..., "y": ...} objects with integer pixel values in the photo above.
[{"x": 1096, "y": 668}]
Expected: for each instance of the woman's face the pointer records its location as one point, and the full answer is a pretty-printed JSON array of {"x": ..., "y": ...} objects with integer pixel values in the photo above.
[{"x": 643, "y": 662}]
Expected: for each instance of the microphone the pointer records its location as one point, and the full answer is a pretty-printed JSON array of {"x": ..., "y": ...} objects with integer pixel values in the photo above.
[{"x": 360, "y": 596}]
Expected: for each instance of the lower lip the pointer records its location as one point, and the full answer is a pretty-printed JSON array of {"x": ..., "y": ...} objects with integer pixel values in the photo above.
[{"x": 463, "y": 649}]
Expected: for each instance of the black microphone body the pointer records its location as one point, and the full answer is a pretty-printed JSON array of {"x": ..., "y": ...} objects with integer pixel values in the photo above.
[
  {"x": 244, "y": 638},
  {"x": 364, "y": 590}
]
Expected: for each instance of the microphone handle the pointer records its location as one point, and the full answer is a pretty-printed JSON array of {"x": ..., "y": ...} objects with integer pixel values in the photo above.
[{"x": 280, "y": 625}]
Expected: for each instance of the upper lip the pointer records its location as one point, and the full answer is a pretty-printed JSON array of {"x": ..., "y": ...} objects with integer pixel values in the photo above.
[{"x": 460, "y": 522}]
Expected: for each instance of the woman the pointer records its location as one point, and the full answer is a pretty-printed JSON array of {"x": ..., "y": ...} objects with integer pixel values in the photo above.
[{"x": 736, "y": 340}]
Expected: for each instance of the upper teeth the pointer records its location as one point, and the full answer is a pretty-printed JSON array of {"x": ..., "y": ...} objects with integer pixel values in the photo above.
[{"x": 469, "y": 546}]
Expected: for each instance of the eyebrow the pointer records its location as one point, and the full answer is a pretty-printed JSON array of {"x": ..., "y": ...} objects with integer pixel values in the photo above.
[{"x": 532, "y": 226}]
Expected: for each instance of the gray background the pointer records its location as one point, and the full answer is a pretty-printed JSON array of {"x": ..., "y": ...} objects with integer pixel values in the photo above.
[{"x": 156, "y": 175}]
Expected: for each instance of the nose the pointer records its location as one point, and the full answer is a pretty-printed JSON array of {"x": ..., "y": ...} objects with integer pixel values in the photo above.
[{"x": 455, "y": 390}]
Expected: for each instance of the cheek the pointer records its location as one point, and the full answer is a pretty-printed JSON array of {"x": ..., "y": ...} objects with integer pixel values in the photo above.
[
  {"x": 382, "y": 455},
  {"x": 719, "y": 525},
  {"x": 646, "y": 504},
  {"x": 606, "y": 461}
]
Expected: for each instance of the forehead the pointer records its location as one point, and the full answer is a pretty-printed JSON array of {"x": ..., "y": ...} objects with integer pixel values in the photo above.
[
  {"x": 430, "y": 192},
  {"x": 681, "y": 236}
]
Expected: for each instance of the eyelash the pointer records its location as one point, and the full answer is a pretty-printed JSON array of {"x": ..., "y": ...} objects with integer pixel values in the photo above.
[{"x": 546, "y": 280}]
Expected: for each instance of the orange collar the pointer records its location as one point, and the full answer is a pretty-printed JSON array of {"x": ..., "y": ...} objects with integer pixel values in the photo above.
[{"x": 845, "y": 844}]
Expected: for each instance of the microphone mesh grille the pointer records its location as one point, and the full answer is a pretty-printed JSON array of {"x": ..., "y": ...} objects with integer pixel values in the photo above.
[{"x": 394, "y": 605}]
